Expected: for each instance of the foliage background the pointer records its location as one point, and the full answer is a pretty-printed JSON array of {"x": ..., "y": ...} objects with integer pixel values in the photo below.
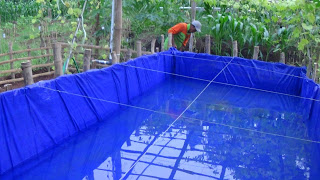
[{"x": 290, "y": 26}]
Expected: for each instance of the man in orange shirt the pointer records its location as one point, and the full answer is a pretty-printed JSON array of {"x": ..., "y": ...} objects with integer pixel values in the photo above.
[{"x": 181, "y": 33}]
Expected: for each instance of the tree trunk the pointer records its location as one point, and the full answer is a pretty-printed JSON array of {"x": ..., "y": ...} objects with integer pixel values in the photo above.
[
  {"x": 95, "y": 30},
  {"x": 118, "y": 27},
  {"x": 193, "y": 17}
]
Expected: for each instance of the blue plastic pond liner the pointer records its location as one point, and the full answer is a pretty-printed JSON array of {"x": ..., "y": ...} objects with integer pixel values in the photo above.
[{"x": 38, "y": 117}]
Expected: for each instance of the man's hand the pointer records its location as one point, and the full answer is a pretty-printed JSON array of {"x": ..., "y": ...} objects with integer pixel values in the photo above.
[{"x": 181, "y": 48}]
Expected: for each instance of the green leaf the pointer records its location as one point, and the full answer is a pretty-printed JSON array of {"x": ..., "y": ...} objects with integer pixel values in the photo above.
[
  {"x": 70, "y": 11},
  {"x": 307, "y": 27},
  {"x": 296, "y": 33},
  {"x": 311, "y": 18},
  {"x": 274, "y": 18},
  {"x": 302, "y": 44}
]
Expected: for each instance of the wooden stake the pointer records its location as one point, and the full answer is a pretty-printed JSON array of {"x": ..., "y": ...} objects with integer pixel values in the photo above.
[
  {"x": 57, "y": 59},
  {"x": 86, "y": 60},
  {"x": 49, "y": 13},
  {"x": 48, "y": 52},
  {"x": 208, "y": 44},
  {"x": 139, "y": 53},
  {"x": 235, "y": 49},
  {"x": 27, "y": 73},
  {"x": 282, "y": 58},
  {"x": 118, "y": 26},
  {"x": 29, "y": 52},
  {"x": 255, "y": 52},
  {"x": 162, "y": 43},
  {"x": 115, "y": 59},
  {"x": 13, "y": 76},
  {"x": 8, "y": 87},
  {"x": 94, "y": 65},
  {"x": 157, "y": 49},
  {"x": 153, "y": 44},
  {"x": 193, "y": 17},
  {"x": 169, "y": 40},
  {"x": 128, "y": 54},
  {"x": 315, "y": 73}
]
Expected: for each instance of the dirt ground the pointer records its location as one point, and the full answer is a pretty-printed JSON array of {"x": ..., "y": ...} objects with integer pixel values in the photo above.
[{"x": 21, "y": 83}]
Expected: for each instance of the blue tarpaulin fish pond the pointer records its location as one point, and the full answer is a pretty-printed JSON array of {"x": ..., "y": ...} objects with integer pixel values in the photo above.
[{"x": 170, "y": 115}]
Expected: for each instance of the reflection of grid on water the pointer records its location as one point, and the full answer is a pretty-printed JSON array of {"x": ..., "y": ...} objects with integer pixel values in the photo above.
[
  {"x": 181, "y": 114},
  {"x": 175, "y": 156},
  {"x": 164, "y": 156},
  {"x": 188, "y": 151}
]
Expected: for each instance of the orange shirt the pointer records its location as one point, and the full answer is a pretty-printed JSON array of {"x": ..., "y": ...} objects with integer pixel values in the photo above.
[{"x": 180, "y": 28}]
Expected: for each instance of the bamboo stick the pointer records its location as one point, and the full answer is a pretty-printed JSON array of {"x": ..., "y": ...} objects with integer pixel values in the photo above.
[
  {"x": 255, "y": 52},
  {"x": 235, "y": 49},
  {"x": 25, "y": 58},
  {"x": 27, "y": 73}
]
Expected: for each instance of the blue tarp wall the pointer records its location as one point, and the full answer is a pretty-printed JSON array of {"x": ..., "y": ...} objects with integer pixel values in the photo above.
[{"x": 38, "y": 117}]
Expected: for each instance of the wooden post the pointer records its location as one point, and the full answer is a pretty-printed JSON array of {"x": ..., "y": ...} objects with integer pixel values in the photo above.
[
  {"x": 118, "y": 26},
  {"x": 57, "y": 59},
  {"x": 8, "y": 87},
  {"x": 193, "y": 17},
  {"x": 115, "y": 59},
  {"x": 153, "y": 44},
  {"x": 208, "y": 44},
  {"x": 316, "y": 67},
  {"x": 139, "y": 53},
  {"x": 255, "y": 52},
  {"x": 128, "y": 55},
  {"x": 29, "y": 52},
  {"x": 49, "y": 13},
  {"x": 48, "y": 52},
  {"x": 282, "y": 58},
  {"x": 169, "y": 40},
  {"x": 14, "y": 31},
  {"x": 157, "y": 49},
  {"x": 235, "y": 49},
  {"x": 62, "y": 53},
  {"x": 54, "y": 36},
  {"x": 13, "y": 76},
  {"x": 94, "y": 65},
  {"x": 86, "y": 60},
  {"x": 315, "y": 73},
  {"x": 27, "y": 73},
  {"x": 162, "y": 43},
  {"x": 41, "y": 35}
]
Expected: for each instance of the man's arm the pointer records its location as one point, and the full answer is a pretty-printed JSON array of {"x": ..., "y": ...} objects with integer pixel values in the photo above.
[
  {"x": 186, "y": 40},
  {"x": 175, "y": 30}
]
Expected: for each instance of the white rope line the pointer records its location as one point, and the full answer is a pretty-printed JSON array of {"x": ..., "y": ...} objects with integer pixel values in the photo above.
[
  {"x": 103, "y": 100},
  {"x": 256, "y": 131},
  {"x": 216, "y": 82},
  {"x": 317, "y": 100},
  {"x": 171, "y": 114},
  {"x": 235, "y": 64},
  {"x": 136, "y": 67},
  {"x": 162, "y": 134}
]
